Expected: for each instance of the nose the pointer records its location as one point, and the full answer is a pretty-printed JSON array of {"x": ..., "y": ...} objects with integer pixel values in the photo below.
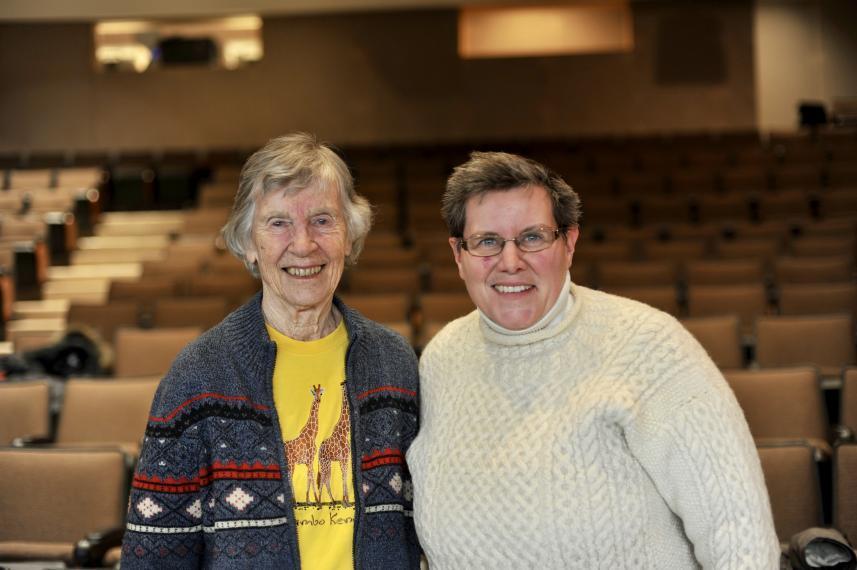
[
  {"x": 511, "y": 258},
  {"x": 302, "y": 242}
]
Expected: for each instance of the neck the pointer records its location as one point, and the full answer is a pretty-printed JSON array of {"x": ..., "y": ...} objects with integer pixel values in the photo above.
[
  {"x": 555, "y": 324},
  {"x": 302, "y": 324}
]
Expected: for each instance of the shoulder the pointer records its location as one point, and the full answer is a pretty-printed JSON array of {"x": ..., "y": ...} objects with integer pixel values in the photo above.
[
  {"x": 359, "y": 325},
  {"x": 453, "y": 337},
  {"x": 615, "y": 311},
  {"x": 217, "y": 361},
  {"x": 632, "y": 335},
  {"x": 373, "y": 342}
]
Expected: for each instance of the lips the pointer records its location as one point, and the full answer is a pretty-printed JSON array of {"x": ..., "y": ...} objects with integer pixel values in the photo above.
[
  {"x": 304, "y": 271},
  {"x": 512, "y": 288}
]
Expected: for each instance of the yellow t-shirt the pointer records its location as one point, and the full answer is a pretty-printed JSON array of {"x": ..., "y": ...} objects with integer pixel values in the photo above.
[{"x": 309, "y": 387}]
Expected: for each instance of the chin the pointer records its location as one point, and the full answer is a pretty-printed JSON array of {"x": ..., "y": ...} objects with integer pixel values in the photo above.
[{"x": 514, "y": 324}]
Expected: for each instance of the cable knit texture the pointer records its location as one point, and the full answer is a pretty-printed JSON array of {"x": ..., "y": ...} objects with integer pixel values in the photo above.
[{"x": 607, "y": 439}]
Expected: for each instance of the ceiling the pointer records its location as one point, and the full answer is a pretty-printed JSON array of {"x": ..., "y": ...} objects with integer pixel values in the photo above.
[{"x": 92, "y": 10}]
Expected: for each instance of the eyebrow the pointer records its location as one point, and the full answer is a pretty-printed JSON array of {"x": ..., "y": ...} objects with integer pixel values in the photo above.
[{"x": 527, "y": 229}]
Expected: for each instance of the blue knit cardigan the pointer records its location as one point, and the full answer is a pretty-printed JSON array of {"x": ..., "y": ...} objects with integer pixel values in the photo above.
[{"x": 211, "y": 489}]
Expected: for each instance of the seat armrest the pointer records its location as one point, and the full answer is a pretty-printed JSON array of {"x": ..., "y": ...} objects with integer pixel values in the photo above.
[
  {"x": 32, "y": 440},
  {"x": 90, "y": 551}
]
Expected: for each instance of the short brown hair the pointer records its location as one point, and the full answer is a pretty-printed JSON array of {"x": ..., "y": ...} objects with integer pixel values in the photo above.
[{"x": 498, "y": 171}]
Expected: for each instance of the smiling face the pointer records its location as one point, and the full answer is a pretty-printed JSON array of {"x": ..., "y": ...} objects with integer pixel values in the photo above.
[
  {"x": 514, "y": 289},
  {"x": 299, "y": 240}
]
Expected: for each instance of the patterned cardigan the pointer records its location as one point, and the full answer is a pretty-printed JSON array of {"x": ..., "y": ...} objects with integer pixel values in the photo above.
[{"x": 211, "y": 489}]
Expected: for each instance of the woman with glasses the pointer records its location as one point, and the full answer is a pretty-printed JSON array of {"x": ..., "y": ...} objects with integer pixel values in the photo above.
[
  {"x": 562, "y": 427},
  {"x": 277, "y": 439}
]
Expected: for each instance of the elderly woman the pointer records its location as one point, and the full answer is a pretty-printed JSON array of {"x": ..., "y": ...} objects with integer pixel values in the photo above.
[
  {"x": 277, "y": 438},
  {"x": 563, "y": 427}
]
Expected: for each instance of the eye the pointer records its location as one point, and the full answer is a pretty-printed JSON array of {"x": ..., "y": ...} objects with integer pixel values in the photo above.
[
  {"x": 278, "y": 223},
  {"x": 487, "y": 241},
  {"x": 323, "y": 221},
  {"x": 531, "y": 237}
]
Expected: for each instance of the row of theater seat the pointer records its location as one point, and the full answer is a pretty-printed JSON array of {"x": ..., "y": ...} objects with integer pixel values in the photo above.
[
  {"x": 793, "y": 439},
  {"x": 87, "y": 519},
  {"x": 792, "y": 471}
]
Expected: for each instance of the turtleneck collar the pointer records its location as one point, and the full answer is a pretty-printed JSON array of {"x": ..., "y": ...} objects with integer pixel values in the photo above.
[{"x": 554, "y": 321}]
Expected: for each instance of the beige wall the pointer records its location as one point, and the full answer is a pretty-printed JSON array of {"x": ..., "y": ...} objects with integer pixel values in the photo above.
[
  {"x": 377, "y": 78},
  {"x": 806, "y": 51}
]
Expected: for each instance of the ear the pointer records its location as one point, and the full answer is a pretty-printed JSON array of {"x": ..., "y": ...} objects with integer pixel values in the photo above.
[
  {"x": 456, "y": 253},
  {"x": 250, "y": 253},
  {"x": 571, "y": 241}
]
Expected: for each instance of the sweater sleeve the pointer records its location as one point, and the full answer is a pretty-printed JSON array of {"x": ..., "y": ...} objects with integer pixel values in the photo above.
[
  {"x": 689, "y": 433},
  {"x": 165, "y": 509}
]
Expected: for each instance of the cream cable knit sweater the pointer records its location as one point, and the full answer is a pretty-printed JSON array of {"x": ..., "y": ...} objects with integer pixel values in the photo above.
[{"x": 606, "y": 440}]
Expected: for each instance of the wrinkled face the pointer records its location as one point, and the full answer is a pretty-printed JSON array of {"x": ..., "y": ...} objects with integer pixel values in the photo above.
[
  {"x": 299, "y": 239},
  {"x": 514, "y": 289}
]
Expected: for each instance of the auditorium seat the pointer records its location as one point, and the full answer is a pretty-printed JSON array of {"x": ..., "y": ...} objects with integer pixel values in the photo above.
[
  {"x": 746, "y": 301},
  {"x": 784, "y": 204},
  {"x": 32, "y": 333},
  {"x": 388, "y": 281},
  {"x": 593, "y": 251},
  {"x": 51, "y": 498},
  {"x": 226, "y": 263},
  {"x": 382, "y": 257},
  {"x": 722, "y": 207},
  {"x": 845, "y": 490},
  {"x": 745, "y": 179},
  {"x": 662, "y": 210},
  {"x": 791, "y": 476},
  {"x": 842, "y": 175},
  {"x": 104, "y": 319},
  {"x": 720, "y": 336},
  {"x": 664, "y": 298},
  {"x": 825, "y": 341},
  {"x": 796, "y": 177},
  {"x": 146, "y": 290},
  {"x": 848, "y": 401},
  {"x": 605, "y": 210},
  {"x": 822, "y": 246},
  {"x": 384, "y": 307},
  {"x": 636, "y": 273},
  {"x": 142, "y": 352},
  {"x": 724, "y": 271},
  {"x": 202, "y": 312},
  {"x": 445, "y": 278},
  {"x": 105, "y": 411},
  {"x": 783, "y": 404},
  {"x": 24, "y": 410},
  {"x": 683, "y": 250},
  {"x": 813, "y": 269},
  {"x": 759, "y": 248},
  {"x": 237, "y": 287},
  {"x": 437, "y": 309},
  {"x": 817, "y": 298}
]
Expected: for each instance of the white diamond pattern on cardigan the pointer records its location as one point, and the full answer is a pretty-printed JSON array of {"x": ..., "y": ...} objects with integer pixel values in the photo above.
[
  {"x": 239, "y": 498},
  {"x": 148, "y": 508},
  {"x": 195, "y": 509}
]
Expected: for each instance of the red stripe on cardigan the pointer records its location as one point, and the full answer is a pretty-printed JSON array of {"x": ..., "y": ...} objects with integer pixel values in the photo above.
[
  {"x": 379, "y": 458},
  {"x": 218, "y": 470},
  {"x": 186, "y": 403},
  {"x": 386, "y": 389}
]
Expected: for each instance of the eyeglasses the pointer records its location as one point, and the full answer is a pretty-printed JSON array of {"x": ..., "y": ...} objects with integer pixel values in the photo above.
[{"x": 528, "y": 241}]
